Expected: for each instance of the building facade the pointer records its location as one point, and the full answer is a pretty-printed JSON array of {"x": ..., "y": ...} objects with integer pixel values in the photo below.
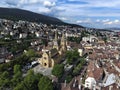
[{"x": 54, "y": 56}]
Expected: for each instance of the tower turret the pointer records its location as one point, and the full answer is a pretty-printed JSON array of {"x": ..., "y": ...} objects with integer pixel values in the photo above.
[
  {"x": 55, "y": 41},
  {"x": 63, "y": 42}
]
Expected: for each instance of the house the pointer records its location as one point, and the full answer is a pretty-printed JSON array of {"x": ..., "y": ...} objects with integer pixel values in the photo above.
[
  {"x": 22, "y": 35},
  {"x": 90, "y": 83},
  {"x": 75, "y": 84},
  {"x": 94, "y": 75},
  {"x": 2, "y": 60},
  {"x": 90, "y": 39}
]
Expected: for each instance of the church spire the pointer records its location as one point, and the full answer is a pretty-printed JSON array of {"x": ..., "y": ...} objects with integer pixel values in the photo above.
[
  {"x": 56, "y": 35},
  {"x": 63, "y": 41},
  {"x": 55, "y": 41}
]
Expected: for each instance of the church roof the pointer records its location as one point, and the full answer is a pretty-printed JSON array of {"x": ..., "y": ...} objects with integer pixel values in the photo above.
[{"x": 53, "y": 52}]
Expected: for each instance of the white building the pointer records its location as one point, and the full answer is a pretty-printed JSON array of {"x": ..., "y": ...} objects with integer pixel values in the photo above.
[
  {"x": 89, "y": 38},
  {"x": 80, "y": 52},
  {"x": 22, "y": 35},
  {"x": 90, "y": 83}
]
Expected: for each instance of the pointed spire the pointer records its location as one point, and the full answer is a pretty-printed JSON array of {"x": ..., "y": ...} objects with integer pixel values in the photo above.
[
  {"x": 50, "y": 54},
  {"x": 63, "y": 35},
  {"x": 56, "y": 35}
]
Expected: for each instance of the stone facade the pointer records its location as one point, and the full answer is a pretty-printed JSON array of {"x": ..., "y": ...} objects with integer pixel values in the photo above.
[{"x": 54, "y": 55}]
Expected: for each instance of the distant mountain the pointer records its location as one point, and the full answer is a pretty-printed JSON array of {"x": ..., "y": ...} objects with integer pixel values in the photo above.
[
  {"x": 19, "y": 14},
  {"x": 114, "y": 29}
]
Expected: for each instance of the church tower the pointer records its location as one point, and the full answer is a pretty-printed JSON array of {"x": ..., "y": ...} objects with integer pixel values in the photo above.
[
  {"x": 63, "y": 42},
  {"x": 55, "y": 41}
]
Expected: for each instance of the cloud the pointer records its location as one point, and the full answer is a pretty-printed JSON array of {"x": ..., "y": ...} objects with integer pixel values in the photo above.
[
  {"x": 48, "y": 3},
  {"x": 112, "y": 22},
  {"x": 100, "y": 3},
  {"x": 117, "y": 21},
  {"x": 63, "y": 18},
  {"x": 98, "y": 20},
  {"x": 73, "y": 11},
  {"x": 92, "y": 8},
  {"x": 109, "y": 23},
  {"x": 106, "y": 20},
  {"x": 88, "y": 20},
  {"x": 44, "y": 10}
]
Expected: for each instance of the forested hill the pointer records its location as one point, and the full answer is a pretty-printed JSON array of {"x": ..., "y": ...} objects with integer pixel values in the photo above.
[{"x": 19, "y": 14}]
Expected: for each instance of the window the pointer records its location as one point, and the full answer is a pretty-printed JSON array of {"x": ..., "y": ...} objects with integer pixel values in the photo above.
[
  {"x": 45, "y": 64},
  {"x": 44, "y": 57}
]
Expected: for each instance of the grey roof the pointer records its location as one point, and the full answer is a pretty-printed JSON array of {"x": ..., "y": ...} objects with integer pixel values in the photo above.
[
  {"x": 2, "y": 60},
  {"x": 110, "y": 80}
]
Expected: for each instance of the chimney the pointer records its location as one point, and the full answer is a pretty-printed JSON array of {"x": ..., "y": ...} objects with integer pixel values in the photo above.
[
  {"x": 74, "y": 82},
  {"x": 110, "y": 87},
  {"x": 50, "y": 54},
  {"x": 65, "y": 83},
  {"x": 94, "y": 87},
  {"x": 79, "y": 87}
]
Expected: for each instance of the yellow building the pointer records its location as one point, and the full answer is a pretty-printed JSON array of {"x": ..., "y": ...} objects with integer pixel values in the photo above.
[{"x": 54, "y": 55}]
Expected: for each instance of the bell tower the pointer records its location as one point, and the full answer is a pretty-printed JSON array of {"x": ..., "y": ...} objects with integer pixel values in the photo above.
[
  {"x": 55, "y": 41},
  {"x": 63, "y": 42}
]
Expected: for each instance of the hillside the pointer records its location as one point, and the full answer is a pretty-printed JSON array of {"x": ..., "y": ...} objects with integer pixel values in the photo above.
[{"x": 19, "y": 14}]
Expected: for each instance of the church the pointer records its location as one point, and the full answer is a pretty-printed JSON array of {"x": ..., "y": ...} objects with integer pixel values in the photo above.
[{"x": 54, "y": 55}]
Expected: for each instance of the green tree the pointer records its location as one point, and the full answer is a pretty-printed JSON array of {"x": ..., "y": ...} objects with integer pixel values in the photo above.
[
  {"x": 31, "y": 53},
  {"x": 4, "y": 79},
  {"x": 69, "y": 56},
  {"x": 45, "y": 84},
  {"x": 68, "y": 78},
  {"x": 58, "y": 70},
  {"x": 82, "y": 61},
  {"x": 77, "y": 69},
  {"x": 17, "y": 68},
  {"x": 17, "y": 75},
  {"x": 75, "y": 54},
  {"x": 20, "y": 86},
  {"x": 72, "y": 56},
  {"x": 31, "y": 81},
  {"x": 105, "y": 39}
]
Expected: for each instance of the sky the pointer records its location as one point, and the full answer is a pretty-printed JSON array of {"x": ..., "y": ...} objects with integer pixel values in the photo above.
[{"x": 89, "y": 13}]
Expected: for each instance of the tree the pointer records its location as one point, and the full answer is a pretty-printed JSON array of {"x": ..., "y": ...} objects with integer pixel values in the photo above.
[
  {"x": 17, "y": 75},
  {"x": 68, "y": 78},
  {"x": 38, "y": 76},
  {"x": 79, "y": 66},
  {"x": 31, "y": 53},
  {"x": 20, "y": 86},
  {"x": 45, "y": 84},
  {"x": 75, "y": 54},
  {"x": 17, "y": 78},
  {"x": 69, "y": 60},
  {"x": 71, "y": 56},
  {"x": 82, "y": 61},
  {"x": 77, "y": 69},
  {"x": 105, "y": 39},
  {"x": 58, "y": 70},
  {"x": 4, "y": 79},
  {"x": 31, "y": 81},
  {"x": 17, "y": 68}
]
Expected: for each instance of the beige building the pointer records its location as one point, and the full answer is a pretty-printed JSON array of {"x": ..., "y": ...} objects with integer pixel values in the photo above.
[{"x": 54, "y": 56}]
